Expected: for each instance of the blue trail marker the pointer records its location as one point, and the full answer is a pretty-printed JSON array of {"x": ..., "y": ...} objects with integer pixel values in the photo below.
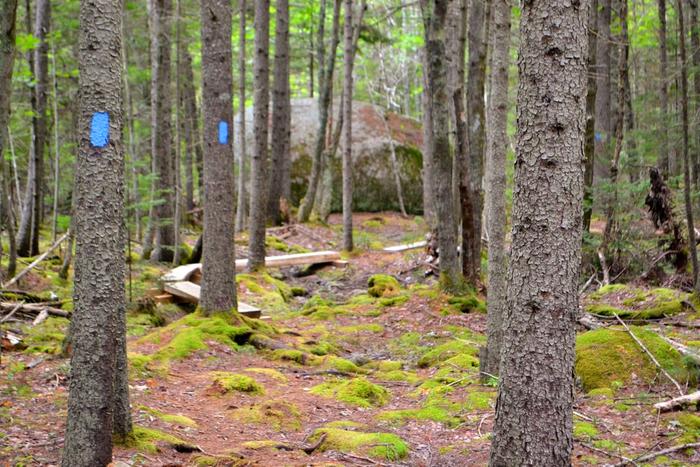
[
  {"x": 99, "y": 129},
  {"x": 223, "y": 132}
]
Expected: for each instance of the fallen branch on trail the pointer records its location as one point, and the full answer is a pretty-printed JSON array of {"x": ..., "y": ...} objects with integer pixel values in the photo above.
[
  {"x": 651, "y": 356},
  {"x": 33, "y": 309},
  {"x": 36, "y": 261},
  {"x": 654, "y": 455},
  {"x": 678, "y": 402}
]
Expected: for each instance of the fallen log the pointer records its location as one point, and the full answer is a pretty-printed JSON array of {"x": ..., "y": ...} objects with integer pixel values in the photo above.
[
  {"x": 34, "y": 309},
  {"x": 678, "y": 402},
  {"x": 36, "y": 261}
]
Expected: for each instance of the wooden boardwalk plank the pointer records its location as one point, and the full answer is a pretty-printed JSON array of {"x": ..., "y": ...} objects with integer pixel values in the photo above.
[{"x": 190, "y": 292}]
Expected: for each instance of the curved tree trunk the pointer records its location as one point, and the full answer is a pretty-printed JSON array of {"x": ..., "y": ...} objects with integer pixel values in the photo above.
[
  {"x": 496, "y": 140},
  {"x": 99, "y": 295},
  {"x": 535, "y": 402},
  {"x": 261, "y": 102}
]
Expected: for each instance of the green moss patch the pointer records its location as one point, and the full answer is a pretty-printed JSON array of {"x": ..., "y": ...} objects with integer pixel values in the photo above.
[
  {"x": 147, "y": 439},
  {"x": 382, "y": 285},
  {"x": 272, "y": 294},
  {"x": 585, "y": 430},
  {"x": 362, "y": 328},
  {"x": 357, "y": 391},
  {"x": 46, "y": 337},
  {"x": 635, "y": 303},
  {"x": 278, "y": 244},
  {"x": 278, "y": 414},
  {"x": 467, "y": 303},
  {"x": 175, "y": 419},
  {"x": 449, "y": 350},
  {"x": 225, "y": 382},
  {"x": 622, "y": 358},
  {"x": 270, "y": 372},
  {"x": 376, "y": 445},
  {"x": 296, "y": 356},
  {"x": 690, "y": 424}
]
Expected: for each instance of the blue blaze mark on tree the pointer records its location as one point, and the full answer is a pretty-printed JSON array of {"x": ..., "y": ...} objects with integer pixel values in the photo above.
[
  {"x": 223, "y": 132},
  {"x": 99, "y": 129}
]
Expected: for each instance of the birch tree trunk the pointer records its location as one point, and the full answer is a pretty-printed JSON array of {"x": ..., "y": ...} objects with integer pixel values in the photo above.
[
  {"x": 261, "y": 100},
  {"x": 534, "y": 409},
  {"x": 99, "y": 295},
  {"x": 496, "y": 141},
  {"x": 218, "y": 292}
]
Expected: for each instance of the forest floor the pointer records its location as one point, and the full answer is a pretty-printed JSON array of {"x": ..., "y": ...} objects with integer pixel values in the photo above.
[{"x": 385, "y": 375}]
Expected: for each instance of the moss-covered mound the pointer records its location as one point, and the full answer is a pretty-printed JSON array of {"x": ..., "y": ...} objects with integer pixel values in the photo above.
[
  {"x": 148, "y": 439},
  {"x": 225, "y": 382},
  {"x": 357, "y": 391},
  {"x": 635, "y": 303},
  {"x": 46, "y": 337},
  {"x": 278, "y": 414},
  {"x": 382, "y": 285},
  {"x": 175, "y": 419},
  {"x": 376, "y": 445},
  {"x": 609, "y": 357},
  {"x": 464, "y": 351}
]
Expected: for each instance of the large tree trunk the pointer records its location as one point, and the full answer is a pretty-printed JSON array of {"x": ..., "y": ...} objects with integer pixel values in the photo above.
[
  {"x": 324, "y": 101},
  {"x": 535, "y": 402},
  {"x": 218, "y": 246},
  {"x": 496, "y": 147},
  {"x": 435, "y": 18},
  {"x": 242, "y": 198},
  {"x": 99, "y": 295},
  {"x": 663, "y": 160},
  {"x": 161, "y": 140},
  {"x": 590, "y": 140},
  {"x": 261, "y": 102},
  {"x": 692, "y": 246},
  {"x": 28, "y": 236},
  {"x": 603, "y": 125},
  {"x": 695, "y": 46},
  {"x": 281, "y": 115},
  {"x": 471, "y": 194}
]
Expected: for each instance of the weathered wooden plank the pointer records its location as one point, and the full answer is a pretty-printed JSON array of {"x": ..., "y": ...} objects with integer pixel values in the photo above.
[
  {"x": 316, "y": 257},
  {"x": 181, "y": 273},
  {"x": 189, "y": 291},
  {"x": 405, "y": 247}
]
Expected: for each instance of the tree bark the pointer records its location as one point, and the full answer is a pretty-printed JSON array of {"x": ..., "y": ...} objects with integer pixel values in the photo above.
[
  {"x": 533, "y": 423},
  {"x": 281, "y": 115},
  {"x": 695, "y": 46},
  {"x": 28, "y": 235},
  {"x": 692, "y": 245},
  {"x": 99, "y": 295},
  {"x": 427, "y": 172},
  {"x": 161, "y": 139},
  {"x": 324, "y": 101},
  {"x": 471, "y": 193},
  {"x": 496, "y": 141},
  {"x": 242, "y": 198},
  {"x": 603, "y": 125},
  {"x": 261, "y": 101},
  {"x": 218, "y": 292},
  {"x": 435, "y": 18},
  {"x": 194, "y": 146},
  {"x": 589, "y": 149},
  {"x": 663, "y": 161}
]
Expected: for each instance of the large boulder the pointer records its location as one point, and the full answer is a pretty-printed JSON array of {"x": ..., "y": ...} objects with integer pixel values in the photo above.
[{"x": 375, "y": 188}]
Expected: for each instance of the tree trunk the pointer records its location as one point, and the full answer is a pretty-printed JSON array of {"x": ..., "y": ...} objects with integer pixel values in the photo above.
[
  {"x": 28, "y": 236},
  {"x": 161, "y": 140},
  {"x": 533, "y": 423},
  {"x": 347, "y": 128},
  {"x": 695, "y": 46},
  {"x": 427, "y": 172},
  {"x": 435, "y": 18},
  {"x": 261, "y": 101},
  {"x": 99, "y": 294},
  {"x": 218, "y": 292},
  {"x": 186, "y": 128},
  {"x": 471, "y": 194},
  {"x": 281, "y": 115},
  {"x": 324, "y": 101},
  {"x": 177, "y": 215},
  {"x": 496, "y": 141},
  {"x": 590, "y": 139},
  {"x": 692, "y": 246},
  {"x": 603, "y": 125},
  {"x": 632, "y": 154},
  {"x": 194, "y": 147},
  {"x": 663, "y": 161},
  {"x": 242, "y": 198}
]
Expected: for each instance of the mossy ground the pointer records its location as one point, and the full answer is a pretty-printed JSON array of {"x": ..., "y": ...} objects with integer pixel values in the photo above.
[
  {"x": 385, "y": 446},
  {"x": 357, "y": 391},
  {"x": 634, "y": 303}
]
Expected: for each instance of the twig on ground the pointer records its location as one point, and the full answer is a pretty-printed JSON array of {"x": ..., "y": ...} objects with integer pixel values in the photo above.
[
  {"x": 656, "y": 454},
  {"x": 12, "y": 312},
  {"x": 607, "y": 453}
]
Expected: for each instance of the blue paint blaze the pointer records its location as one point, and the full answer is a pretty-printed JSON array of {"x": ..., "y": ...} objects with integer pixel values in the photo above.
[
  {"x": 99, "y": 129},
  {"x": 598, "y": 136},
  {"x": 223, "y": 132}
]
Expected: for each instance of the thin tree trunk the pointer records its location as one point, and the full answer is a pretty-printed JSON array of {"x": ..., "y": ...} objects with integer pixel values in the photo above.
[
  {"x": 56, "y": 146},
  {"x": 161, "y": 139},
  {"x": 603, "y": 125},
  {"x": 632, "y": 154},
  {"x": 242, "y": 199},
  {"x": 435, "y": 18},
  {"x": 99, "y": 295},
  {"x": 192, "y": 121},
  {"x": 261, "y": 101},
  {"x": 218, "y": 246},
  {"x": 496, "y": 140},
  {"x": 347, "y": 128},
  {"x": 663, "y": 161},
  {"x": 471, "y": 193},
  {"x": 695, "y": 46},
  {"x": 133, "y": 154},
  {"x": 589, "y": 149},
  {"x": 692, "y": 246},
  {"x": 427, "y": 171},
  {"x": 394, "y": 164},
  {"x": 324, "y": 100},
  {"x": 281, "y": 115},
  {"x": 28, "y": 236},
  {"x": 177, "y": 216},
  {"x": 534, "y": 409}
]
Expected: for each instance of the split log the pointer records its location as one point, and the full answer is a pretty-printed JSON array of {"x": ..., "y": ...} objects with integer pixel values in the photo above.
[
  {"x": 678, "y": 402},
  {"x": 36, "y": 261}
]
